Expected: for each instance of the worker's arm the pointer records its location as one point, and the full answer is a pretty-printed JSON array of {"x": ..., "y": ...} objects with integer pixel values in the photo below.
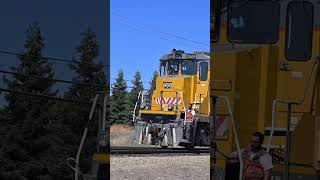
[
  {"x": 233, "y": 155},
  {"x": 266, "y": 175},
  {"x": 266, "y": 162}
]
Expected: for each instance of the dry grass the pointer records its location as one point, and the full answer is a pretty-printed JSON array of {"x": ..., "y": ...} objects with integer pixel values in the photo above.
[
  {"x": 121, "y": 134},
  {"x": 119, "y": 128}
]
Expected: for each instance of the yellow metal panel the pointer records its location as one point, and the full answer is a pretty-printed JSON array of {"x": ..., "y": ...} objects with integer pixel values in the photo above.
[
  {"x": 158, "y": 112},
  {"x": 101, "y": 157},
  {"x": 303, "y": 139},
  {"x": 309, "y": 170},
  {"x": 247, "y": 93}
]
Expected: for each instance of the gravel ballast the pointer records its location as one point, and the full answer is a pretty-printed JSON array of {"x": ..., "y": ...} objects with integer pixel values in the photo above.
[{"x": 158, "y": 167}]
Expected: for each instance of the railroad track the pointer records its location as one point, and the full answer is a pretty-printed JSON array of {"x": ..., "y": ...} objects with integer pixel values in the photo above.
[{"x": 156, "y": 150}]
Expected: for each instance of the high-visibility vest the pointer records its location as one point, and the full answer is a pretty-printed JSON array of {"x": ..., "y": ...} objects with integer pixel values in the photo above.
[
  {"x": 189, "y": 116},
  {"x": 252, "y": 168}
]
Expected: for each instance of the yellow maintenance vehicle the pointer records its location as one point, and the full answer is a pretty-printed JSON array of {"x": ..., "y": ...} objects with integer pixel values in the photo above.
[
  {"x": 177, "y": 114},
  {"x": 265, "y": 77}
]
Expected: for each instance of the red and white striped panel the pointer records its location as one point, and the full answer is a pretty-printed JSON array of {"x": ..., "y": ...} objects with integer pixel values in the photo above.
[
  {"x": 167, "y": 100},
  {"x": 221, "y": 125}
]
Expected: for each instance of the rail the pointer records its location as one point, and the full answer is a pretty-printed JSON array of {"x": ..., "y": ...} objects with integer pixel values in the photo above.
[{"x": 156, "y": 150}]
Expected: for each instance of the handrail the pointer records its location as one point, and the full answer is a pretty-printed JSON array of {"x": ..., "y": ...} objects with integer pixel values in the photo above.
[
  {"x": 276, "y": 101},
  {"x": 290, "y": 103},
  {"x": 234, "y": 131},
  {"x": 135, "y": 107}
]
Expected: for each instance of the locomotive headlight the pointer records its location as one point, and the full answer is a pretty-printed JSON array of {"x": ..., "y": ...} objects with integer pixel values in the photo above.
[
  {"x": 170, "y": 107},
  {"x": 167, "y": 85}
]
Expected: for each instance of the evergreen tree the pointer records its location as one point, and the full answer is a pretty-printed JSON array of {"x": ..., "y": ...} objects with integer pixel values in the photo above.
[
  {"x": 25, "y": 148},
  {"x": 119, "y": 101},
  {"x": 134, "y": 93},
  {"x": 152, "y": 85},
  {"x": 87, "y": 71}
]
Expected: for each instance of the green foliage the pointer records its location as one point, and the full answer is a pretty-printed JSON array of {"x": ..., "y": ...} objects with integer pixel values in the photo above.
[
  {"x": 152, "y": 86},
  {"x": 27, "y": 140},
  {"x": 134, "y": 93},
  {"x": 38, "y": 134},
  {"x": 90, "y": 71},
  {"x": 120, "y": 112}
]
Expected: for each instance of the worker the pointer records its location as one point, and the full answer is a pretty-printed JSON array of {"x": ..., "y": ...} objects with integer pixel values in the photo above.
[
  {"x": 257, "y": 163},
  {"x": 189, "y": 123}
]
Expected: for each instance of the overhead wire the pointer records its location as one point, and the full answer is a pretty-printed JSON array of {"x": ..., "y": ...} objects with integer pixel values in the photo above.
[
  {"x": 52, "y": 79},
  {"x": 44, "y": 96},
  {"x": 156, "y": 29},
  {"x": 129, "y": 21},
  {"x": 51, "y": 58},
  {"x": 161, "y": 37}
]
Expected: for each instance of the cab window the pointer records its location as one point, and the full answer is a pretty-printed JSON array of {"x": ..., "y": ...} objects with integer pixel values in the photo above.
[
  {"x": 255, "y": 22},
  {"x": 173, "y": 68},
  {"x": 189, "y": 68},
  {"x": 203, "y": 71},
  {"x": 299, "y": 29},
  {"x": 163, "y": 69}
]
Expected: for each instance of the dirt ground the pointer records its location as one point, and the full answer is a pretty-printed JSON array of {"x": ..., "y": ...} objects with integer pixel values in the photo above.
[
  {"x": 187, "y": 167},
  {"x": 121, "y": 134}
]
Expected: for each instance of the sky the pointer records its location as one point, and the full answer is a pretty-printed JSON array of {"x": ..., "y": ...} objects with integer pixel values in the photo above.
[
  {"x": 61, "y": 23},
  {"x": 142, "y": 31}
]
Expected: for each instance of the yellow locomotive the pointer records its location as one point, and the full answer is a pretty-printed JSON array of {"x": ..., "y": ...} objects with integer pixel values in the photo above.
[
  {"x": 181, "y": 96},
  {"x": 271, "y": 81}
]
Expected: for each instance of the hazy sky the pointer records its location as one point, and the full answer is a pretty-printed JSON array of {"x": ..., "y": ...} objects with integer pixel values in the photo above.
[{"x": 143, "y": 30}]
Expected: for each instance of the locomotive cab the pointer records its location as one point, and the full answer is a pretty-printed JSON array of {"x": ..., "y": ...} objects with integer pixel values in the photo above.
[{"x": 177, "y": 112}]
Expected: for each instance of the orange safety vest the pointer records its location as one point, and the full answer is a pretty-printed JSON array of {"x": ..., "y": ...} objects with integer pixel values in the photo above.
[
  {"x": 252, "y": 169},
  {"x": 189, "y": 116}
]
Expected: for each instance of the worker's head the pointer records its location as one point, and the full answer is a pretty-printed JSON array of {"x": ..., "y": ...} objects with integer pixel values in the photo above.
[
  {"x": 190, "y": 106},
  {"x": 256, "y": 141}
]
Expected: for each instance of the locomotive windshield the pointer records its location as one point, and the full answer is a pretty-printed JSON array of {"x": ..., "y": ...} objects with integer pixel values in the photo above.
[
  {"x": 172, "y": 67},
  {"x": 188, "y": 67}
]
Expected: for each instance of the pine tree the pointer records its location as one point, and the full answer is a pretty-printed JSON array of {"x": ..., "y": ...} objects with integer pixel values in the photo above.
[
  {"x": 27, "y": 141},
  {"x": 90, "y": 71},
  {"x": 119, "y": 101},
  {"x": 87, "y": 71},
  {"x": 134, "y": 93},
  {"x": 152, "y": 86}
]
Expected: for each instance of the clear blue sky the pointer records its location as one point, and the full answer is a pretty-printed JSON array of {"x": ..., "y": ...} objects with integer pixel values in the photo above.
[
  {"x": 61, "y": 22},
  {"x": 144, "y": 30}
]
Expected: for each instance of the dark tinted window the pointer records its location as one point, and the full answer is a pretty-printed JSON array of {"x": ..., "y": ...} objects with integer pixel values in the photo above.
[
  {"x": 299, "y": 28},
  {"x": 215, "y": 13},
  {"x": 203, "y": 71},
  {"x": 254, "y": 22},
  {"x": 173, "y": 68},
  {"x": 163, "y": 68},
  {"x": 188, "y": 67}
]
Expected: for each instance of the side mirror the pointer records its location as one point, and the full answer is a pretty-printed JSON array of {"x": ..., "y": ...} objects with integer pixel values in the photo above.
[{"x": 253, "y": 22}]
